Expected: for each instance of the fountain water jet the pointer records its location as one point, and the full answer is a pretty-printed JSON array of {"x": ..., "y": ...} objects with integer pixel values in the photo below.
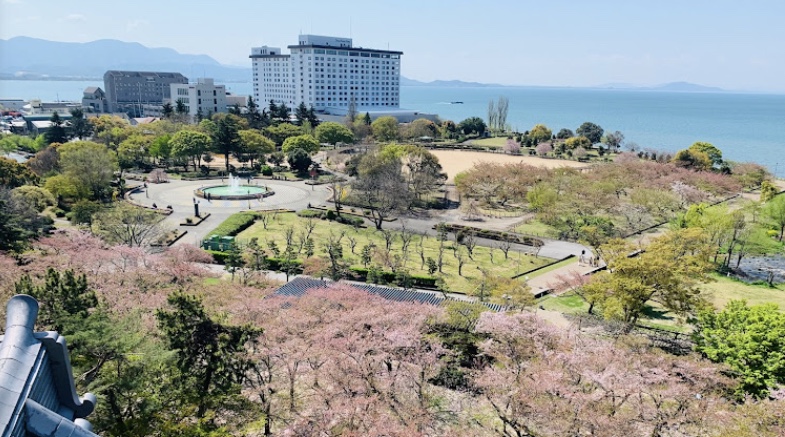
[{"x": 234, "y": 191}]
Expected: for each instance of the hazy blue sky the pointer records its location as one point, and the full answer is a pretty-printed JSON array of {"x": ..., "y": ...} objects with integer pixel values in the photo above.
[{"x": 731, "y": 44}]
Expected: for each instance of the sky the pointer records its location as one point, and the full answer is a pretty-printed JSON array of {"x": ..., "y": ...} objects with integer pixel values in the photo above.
[{"x": 735, "y": 45}]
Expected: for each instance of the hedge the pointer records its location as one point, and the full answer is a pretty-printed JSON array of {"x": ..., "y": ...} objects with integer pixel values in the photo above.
[
  {"x": 218, "y": 257},
  {"x": 330, "y": 215},
  {"x": 493, "y": 235},
  {"x": 360, "y": 273},
  {"x": 390, "y": 277},
  {"x": 235, "y": 224},
  {"x": 306, "y": 213},
  {"x": 270, "y": 263}
]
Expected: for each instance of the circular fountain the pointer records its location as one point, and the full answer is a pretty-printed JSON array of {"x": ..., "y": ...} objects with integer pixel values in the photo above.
[{"x": 233, "y": 191}]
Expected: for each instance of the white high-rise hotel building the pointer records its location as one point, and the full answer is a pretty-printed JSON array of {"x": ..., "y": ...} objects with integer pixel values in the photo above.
[{"x": 327, "y": 72}]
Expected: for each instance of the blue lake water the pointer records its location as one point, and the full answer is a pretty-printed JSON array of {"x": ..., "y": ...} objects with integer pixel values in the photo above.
[{"x": 746, "y": 127}]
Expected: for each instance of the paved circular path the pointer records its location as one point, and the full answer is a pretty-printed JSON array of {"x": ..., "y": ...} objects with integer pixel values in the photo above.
[{"x": 180, "y": 195}]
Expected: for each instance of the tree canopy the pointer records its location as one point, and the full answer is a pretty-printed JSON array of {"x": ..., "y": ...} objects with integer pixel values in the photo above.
[
  {"x": 331, "y": 132},
  {"x": 540, "y": 133},
  {"x": 472, "y": 125},
  {"x": 190, "y": 145},
  {"x": 750, "y": 339},
  {"x": 306, "y": 143},
  {"x": 90, "y": 165},
  {"x": 281, "y": 132},
  {"x": 591, "y": 131},
  {"x": 385, "y": 128}
]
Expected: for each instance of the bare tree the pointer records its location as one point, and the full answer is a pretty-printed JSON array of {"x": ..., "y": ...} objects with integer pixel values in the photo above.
[
  {"x": 352, "y": 243},
  {"x": 421, "y": 249},
  {"x": 265, "y": 218},
  {"x": 460, "y": 256},
  {"x": 380, "y": 187},
  {"x": 441, "y": 235},
  {"x": 130, "y": 225},
  {"x": 502, "y": 107},
  {"x": 288, "y": 234},
  {"x": 310, "y": 225},
  {"x": 337, "y": 186},
  {"x": 389, "y": 238},
  {"x": 492, "y": 114},
  {"x": 470, "y": 241},
  {"x": 406, "y": 238},
  {"x": 302, "y": 238},
  {"x": 505, "y": 245}
]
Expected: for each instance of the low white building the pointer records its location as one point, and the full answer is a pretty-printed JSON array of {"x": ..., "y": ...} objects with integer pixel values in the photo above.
[
  {"x": 327, "y": 72},
  {"x": 202, "y": 98}
]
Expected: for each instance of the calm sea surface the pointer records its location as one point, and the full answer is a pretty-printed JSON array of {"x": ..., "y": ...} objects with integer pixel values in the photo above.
[{"x": 746, "y": 127}]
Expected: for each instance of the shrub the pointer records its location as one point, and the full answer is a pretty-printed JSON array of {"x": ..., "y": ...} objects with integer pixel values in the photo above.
[
  {"x": 348, "y": 220},
  {"x": 306, "y": 213},
  {"x": 235, "y": 224},
  {"x": 267, "y": 170},
  {"x": 59, "y": 213},
  {"x": 330, "y": 215},
  {"x": 384, "y": 277},
  {"x": 218, "y": 257}
]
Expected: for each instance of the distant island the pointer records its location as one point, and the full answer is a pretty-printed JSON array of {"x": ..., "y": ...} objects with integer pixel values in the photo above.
[{"x": 681, "y": 87}]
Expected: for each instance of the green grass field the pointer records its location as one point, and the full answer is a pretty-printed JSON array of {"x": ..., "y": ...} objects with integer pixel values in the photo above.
[
  {"x": 471, "y": 271},
  {"x": 719, "y": 292},
  {"x": 567, "y": 303},
  {"x": 535, "y": 227},
  {"x": 722, "y": 290}
]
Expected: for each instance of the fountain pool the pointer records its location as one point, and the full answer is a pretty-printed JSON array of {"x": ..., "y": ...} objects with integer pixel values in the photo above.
[{"x": 233, "y": 191}]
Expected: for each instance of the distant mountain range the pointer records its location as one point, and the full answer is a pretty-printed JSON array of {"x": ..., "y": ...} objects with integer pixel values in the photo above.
[
  {"x": 405, "y": 81},
  {"x": 31, "y": 58},
  {"x": 23, "y": 57}
]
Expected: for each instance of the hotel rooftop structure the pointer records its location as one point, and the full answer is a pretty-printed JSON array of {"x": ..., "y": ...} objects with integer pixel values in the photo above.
[{"x": 327, "y": 72}]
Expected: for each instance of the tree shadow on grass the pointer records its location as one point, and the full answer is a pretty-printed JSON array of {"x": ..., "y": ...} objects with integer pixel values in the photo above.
[{"x": 657, "y": 314}]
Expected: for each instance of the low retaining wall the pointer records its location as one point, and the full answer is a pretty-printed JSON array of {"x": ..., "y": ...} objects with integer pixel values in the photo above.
[{"x": 247, "y": 196}]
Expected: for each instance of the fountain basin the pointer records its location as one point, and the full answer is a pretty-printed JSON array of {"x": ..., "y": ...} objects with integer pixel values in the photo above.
[{"x": 228, "y": 192}]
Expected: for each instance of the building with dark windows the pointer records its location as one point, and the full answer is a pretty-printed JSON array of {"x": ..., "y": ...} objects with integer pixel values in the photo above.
[
  {"x": 129, "y": 91},
  {"x": 94, "y": 100},
  {"x": 327, "y": 72}
]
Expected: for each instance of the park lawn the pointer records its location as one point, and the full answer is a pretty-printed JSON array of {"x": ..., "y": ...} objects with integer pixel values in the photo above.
[
  {"x": 723, "y": 289},
  {"x": 570, "y": 303},
  {"x": 471, "y": 272},
  {"x": 536, "y": 228},
  {"x": 491, "y": 142},
  {"x": 567, "y": 303}
]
